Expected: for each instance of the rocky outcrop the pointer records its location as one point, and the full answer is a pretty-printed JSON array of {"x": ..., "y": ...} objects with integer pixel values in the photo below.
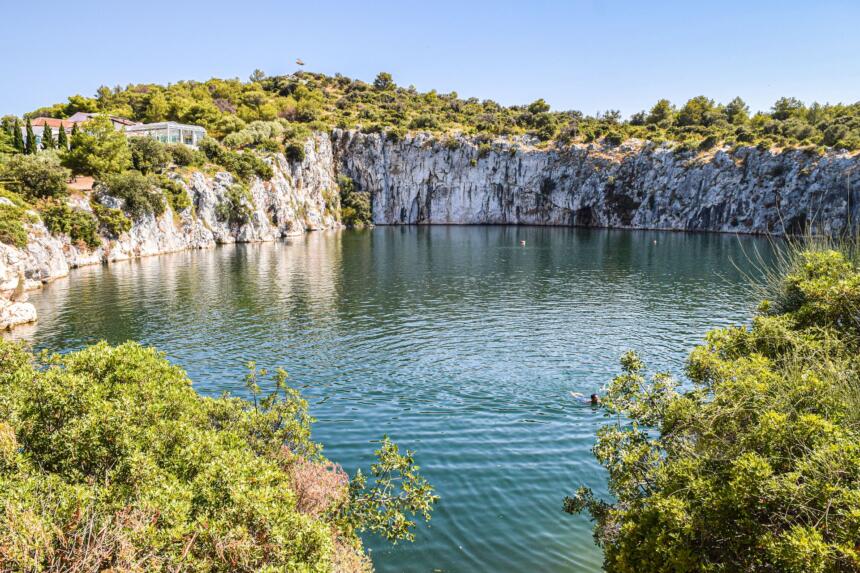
[
  {"x": 301, "y": 196},
  {"x": 421, "y": 180}
]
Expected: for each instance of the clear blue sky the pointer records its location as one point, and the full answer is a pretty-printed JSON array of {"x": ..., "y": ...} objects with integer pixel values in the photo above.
[{"x": 589, "y": 55}]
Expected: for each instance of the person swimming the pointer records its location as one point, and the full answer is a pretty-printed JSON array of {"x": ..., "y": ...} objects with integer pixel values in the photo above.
[{"x": 594, "y": 399}]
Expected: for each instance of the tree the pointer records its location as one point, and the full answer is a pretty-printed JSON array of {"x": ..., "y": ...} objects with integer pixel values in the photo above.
[
  {"x": 696, "y": 111},
  {"x": 73, "y": 134},
  {"x": 17, "y": 137},
  {"x": 786, "y": 107},
  {"x": 30, "y": 144},
  {"x": 754, "y": 465},
  {"x": 157, "y": 108},
  {"x": 257, "y": 76},
  {"x": 47, "y": 137},
  {"x": 62, "y": 139},
  {"x": 737, "y": 112},
  {"x": 98, "y": 149},
  {"x": 663, "y": 111},
  {"x": 538, "y": 106},
  {"x": 384, "y": 81}
]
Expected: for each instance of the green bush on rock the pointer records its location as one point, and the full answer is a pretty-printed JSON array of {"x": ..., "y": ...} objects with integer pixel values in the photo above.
[
  {"x": 756, "y": 466},
  {"x": 110, "y": 460},
  {"x": 355, "y": 205}
]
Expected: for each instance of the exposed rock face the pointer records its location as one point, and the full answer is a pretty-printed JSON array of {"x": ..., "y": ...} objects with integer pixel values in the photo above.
[
  {"x": 301, "y": 196},
  {"x": 420, "y": 180},
  {"x": 636, "y": 185},
  {"x": 15, "y": 313}
]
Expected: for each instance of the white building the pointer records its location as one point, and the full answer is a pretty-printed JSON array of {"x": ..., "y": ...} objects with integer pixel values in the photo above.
[{"x": 168, "y": 132}]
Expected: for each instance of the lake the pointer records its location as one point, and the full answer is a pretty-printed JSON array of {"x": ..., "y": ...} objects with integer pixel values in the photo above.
[{"x": 457, "y": 342}]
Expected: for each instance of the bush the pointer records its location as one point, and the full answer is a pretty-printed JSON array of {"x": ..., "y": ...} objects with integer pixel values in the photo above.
[
  {"x": 80, "y": 225},
  {"x": 762, "y": 445},
  {"x": 112, "y": 222},
  {"x": 236, "y": 206},
  {"x": 148, "y": 155},
  {"x": 295, "y": 152},
  {"x": 244, "y": 165},
  {"x": 355, "y": 206},
  {"x": 36, "y": 176},
  {"x": 12, "y": 220},
  {"x": 139, "y": 194},
  {"x": 184, "y": 156},
  {"x": 110, "y": 461},
  {"x": 175, "y": 193}
]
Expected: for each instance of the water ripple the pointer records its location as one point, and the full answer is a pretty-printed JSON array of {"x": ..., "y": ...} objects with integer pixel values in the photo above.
[{"x": 455, "y": 341}]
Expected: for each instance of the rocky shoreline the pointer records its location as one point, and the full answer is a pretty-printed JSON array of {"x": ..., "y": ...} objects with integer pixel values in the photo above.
[{"x": 422, "y": 179}]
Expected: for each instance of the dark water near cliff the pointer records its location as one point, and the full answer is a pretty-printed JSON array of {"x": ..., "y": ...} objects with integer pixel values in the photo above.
[{"x": 455, "y": 341}]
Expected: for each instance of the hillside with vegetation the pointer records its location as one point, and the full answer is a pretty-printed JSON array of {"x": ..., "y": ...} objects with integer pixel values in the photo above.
[{"x": 271, "y": 113}]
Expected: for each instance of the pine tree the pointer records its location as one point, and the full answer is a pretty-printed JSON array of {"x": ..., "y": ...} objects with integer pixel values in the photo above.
[
  {"x": 17, "y": 138},
  {"x": 30, "y": 145},
  {"x": 47, "y": 137},
  {"x": 62, "y": 140}
]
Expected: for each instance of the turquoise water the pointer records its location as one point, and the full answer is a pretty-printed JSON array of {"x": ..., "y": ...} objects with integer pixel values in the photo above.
[{"x": 455, "y": 341}]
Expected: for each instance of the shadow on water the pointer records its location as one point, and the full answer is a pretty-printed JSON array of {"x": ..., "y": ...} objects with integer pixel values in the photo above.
[{"x": 456, "y": 341}]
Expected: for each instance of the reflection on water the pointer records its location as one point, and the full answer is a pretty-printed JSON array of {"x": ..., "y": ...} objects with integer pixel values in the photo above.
[{"x": 456, "y": 341}]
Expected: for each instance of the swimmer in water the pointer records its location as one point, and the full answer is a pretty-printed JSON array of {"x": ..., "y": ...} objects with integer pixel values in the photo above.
[{"x": 594, "y": 399}]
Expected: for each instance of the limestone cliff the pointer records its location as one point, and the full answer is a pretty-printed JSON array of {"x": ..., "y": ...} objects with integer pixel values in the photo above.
[
  {"x": 301, "y": 196},
  {"x": 636, "y": 185},
  {"x": 422, "y": 180}
]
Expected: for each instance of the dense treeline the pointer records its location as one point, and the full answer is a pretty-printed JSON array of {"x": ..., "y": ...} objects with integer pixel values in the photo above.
[
  {"x": 271, "y": 112},
  {"x": 754, "y": 465}
]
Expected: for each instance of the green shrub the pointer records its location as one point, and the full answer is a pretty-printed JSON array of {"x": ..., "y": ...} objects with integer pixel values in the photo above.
[
  {"x": 355, "y": 205},
  {"x": 36, "y": 176},
  {"x": 184, "y": 156},
  {"x": 80, "y": 225},
  {"x": 175, "y": 193},
  {"x": 148, "y": 155},
  {"x": 139, "y": 194},
  {"x": 244, "y": 165},
  {"x": 12, "y": 220},
  {"x": 236, "y": 206},
  {"x": 295, "y": 152},
  {"x": 762, "y": 443},
  {"x": 112, "y": 222}
]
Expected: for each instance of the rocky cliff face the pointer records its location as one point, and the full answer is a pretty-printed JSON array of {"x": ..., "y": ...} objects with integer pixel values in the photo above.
[
  {"x": 300, "y": 197},
  {"x": 635, "y": 185},
  {"x": 421, "y": 180}
]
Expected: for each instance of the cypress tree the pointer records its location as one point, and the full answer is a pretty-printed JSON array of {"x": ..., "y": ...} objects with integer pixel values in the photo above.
[
  {"x": 17, "y": 138},
  {"x": 47, "y": 137},
  {"x": 30, "y": 145},
  {"x": 62, "y": 140},
  {"x": 74, "y": 133}
]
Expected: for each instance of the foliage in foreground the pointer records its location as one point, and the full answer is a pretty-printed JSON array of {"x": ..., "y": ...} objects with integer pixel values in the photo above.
[
  {"x": 110, "y": 460},
  {"x": 756, "y": 467}
]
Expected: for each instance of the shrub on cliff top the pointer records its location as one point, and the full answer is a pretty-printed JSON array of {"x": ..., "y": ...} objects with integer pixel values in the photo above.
[
  {"x": 110, "y": 460},
  {"x": 139, "y": 194},
  {"x": 756, "y": 465},
  {"x": 35, "y": 176}
]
